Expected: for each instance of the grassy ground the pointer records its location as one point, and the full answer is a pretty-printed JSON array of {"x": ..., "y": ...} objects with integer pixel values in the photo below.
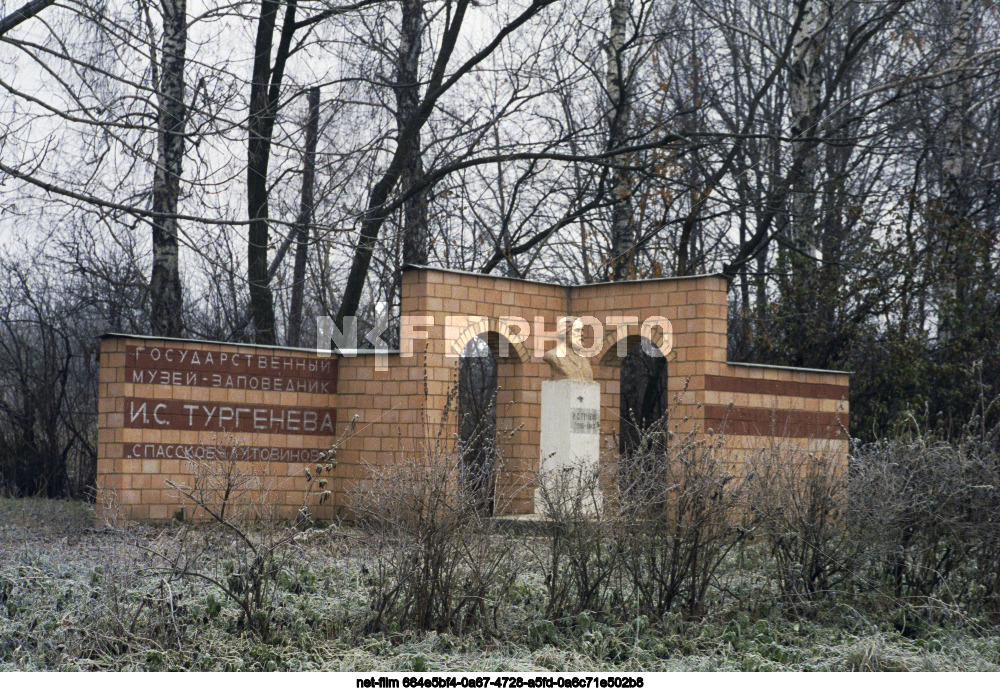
[{"x": 75, "y": 597}]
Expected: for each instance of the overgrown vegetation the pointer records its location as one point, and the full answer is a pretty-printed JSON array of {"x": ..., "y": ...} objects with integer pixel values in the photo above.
[
  {"x": 800, "y": 563},
  {"x": 435, "y": 561},
  {"x": 654, "y": 546},
  {"x": 929, "y": 510}
]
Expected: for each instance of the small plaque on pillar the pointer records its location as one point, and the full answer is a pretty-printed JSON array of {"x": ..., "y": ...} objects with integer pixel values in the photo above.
[{"x": 570, "y": 446}]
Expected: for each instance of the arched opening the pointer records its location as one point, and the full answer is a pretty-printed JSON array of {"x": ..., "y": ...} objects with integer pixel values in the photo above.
[
  {"x": 643, "y": 400},
  {"x": 477, "y": 412},
  {"x": 641, "y": 356},
  {"x": 643, "y": 412}
]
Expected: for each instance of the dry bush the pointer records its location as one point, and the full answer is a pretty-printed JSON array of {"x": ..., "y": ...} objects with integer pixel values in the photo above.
[
  {"x": 436, "y": 561},
  {"x": 911, "y": 520},
  {"x": 225, "y": 484},
  {"x": 928, "y": 512},
  {"x": 236, "y": 496},
  {"x": 133, "y": 613},
  {"x": 245, "y": 566},
  {"x": 679, "y": 518},
  {"x": 580, "y": 555},
  {"x": 798, "y": 502},
  {"x": 659, "y": 544}
]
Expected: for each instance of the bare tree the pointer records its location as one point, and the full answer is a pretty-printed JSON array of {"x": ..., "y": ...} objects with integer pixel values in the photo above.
[
  {"x": 407, "y": 88},
  {"x": 165, "y": 282},
  {"x": 804, "y": 98},
  {"x": 956, "y": 166},
  {"x": 265, "y": 88},
  {"x": 23, "y": 14},
  {"x": 439, "y": 83},
  {"x": 305, "y": 217},
  {"x": 622, "y": 233}
]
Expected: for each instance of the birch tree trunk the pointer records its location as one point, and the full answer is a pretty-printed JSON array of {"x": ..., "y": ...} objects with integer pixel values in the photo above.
[
  {"x": 803, "y": 100},
  {"x": 165, "y": 284},
  {"x": 622, "y": 233},
  {"x": 956, "y": 169}
]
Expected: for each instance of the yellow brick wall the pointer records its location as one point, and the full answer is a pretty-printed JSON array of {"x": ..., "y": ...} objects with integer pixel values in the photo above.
[
  {"x": 394, "y": 403},
  {"x": 141, "y": 445}
]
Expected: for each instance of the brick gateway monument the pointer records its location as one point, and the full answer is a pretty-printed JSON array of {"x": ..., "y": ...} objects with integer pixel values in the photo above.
[{"x": 166, "y": 402}]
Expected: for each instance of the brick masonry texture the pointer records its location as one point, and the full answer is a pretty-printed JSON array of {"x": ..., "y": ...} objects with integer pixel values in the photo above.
[
  {"x": 167, "y": 407},
  {"x": 762, "y": 422},
  {"x": 760, "y": 386},
  {"x": 387, "y": 409}
]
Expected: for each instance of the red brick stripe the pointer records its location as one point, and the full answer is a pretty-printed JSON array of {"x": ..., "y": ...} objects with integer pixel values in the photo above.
[
  {"x": 752, "y": 385},
  {"x": 782, "y": 423}
]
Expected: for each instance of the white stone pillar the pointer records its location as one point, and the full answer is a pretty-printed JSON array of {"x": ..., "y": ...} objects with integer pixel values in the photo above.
[{"x": 570, "y": 447}]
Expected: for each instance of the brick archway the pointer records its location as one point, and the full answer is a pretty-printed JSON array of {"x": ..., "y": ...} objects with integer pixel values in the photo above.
[
  {"x": 496, "y": 332},
  {"x": 659, "y": 334},
  {"x": 511, "y": 358}
]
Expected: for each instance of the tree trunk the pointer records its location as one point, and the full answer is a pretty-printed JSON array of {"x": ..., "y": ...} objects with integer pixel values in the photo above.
[
  {"x": 303, "y": 221},
  {"x": 415, "y": 240},
  {"x": 956, "y": 168},
  {"x": 165, "y": 284},
  {"x": 265, "y": 89},
  {"x": 437, "y": 85},
  {"x": 622, "y": 233},
  {"x": 803, "y": 99}
]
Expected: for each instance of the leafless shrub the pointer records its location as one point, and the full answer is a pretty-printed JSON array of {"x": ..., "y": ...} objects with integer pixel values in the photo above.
[
  {"x": 581, "y": 555},
  {"x": 436, "y": 560},
  {"x": 927, "y": 509},
  {"x": 131, "y": 614},
  {"x": 679, "y": 520},
  {"x": 48, "y": 443},
  {"x": 798, "y": 502},
  {"x": 660, "y": 543},
  {"x": 236, "y": 496},
  {"x": 912, "y": 520},
  {"x": 225, "y": 481},
  {"x": 250, "y": 564}
]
